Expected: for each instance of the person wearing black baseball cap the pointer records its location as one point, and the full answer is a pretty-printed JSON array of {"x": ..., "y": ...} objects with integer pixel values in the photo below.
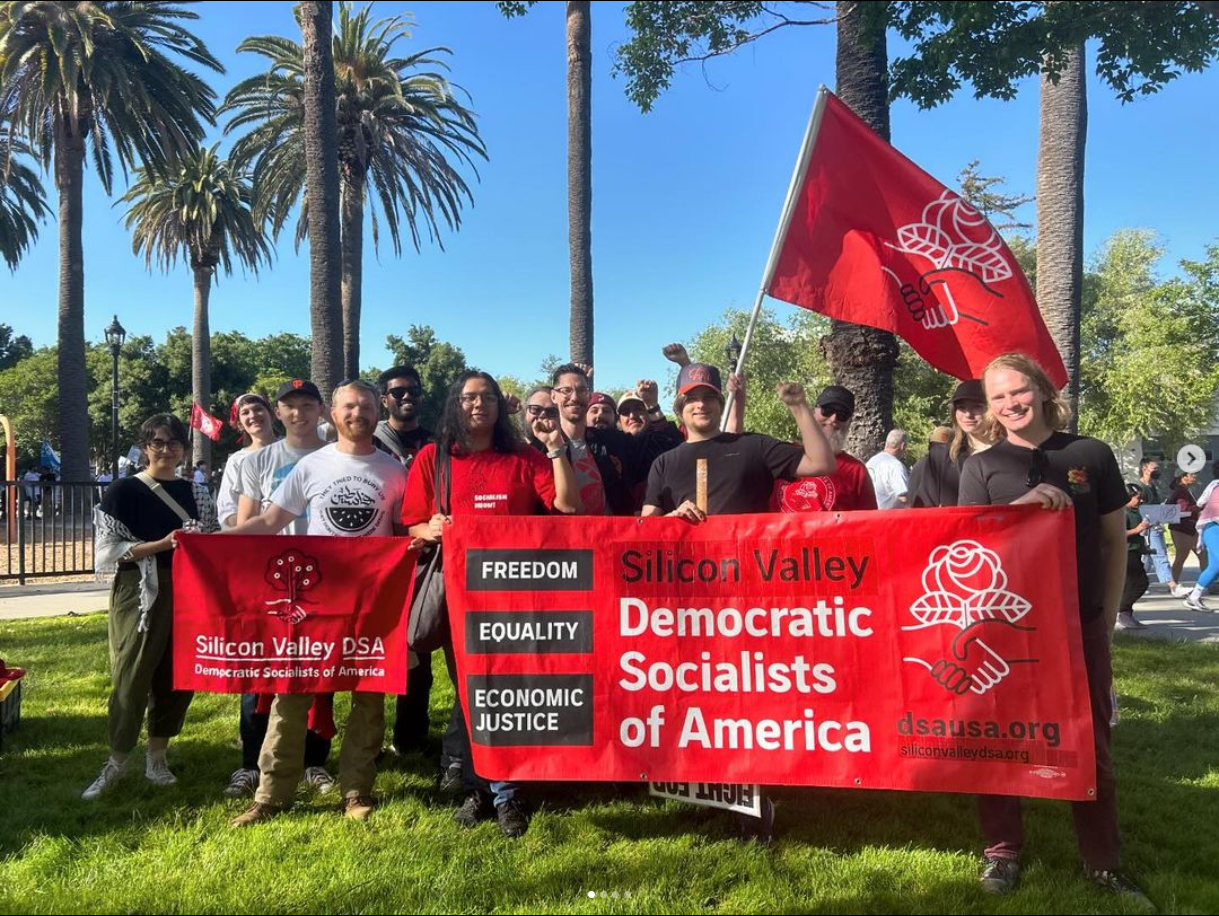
[
  {"x": 298, "y": 405},
  {"x": 937, "y": 476},
  {"x": 849, "y": 487}
]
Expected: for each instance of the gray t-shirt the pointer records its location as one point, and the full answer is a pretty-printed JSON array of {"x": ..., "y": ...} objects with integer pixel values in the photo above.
[
  {"x": 265, "y": 470},
  {"x": 345, "y": 495}
]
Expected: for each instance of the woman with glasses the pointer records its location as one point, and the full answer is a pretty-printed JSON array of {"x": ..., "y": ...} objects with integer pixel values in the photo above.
[
  {"x": 136, "y": 526},
  {"x": 490, "y": 472},
  {"x": 936, "y": 478}
]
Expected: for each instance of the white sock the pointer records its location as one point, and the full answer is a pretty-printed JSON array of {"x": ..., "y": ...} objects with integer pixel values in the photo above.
[{"x": 1196, "y": 594}]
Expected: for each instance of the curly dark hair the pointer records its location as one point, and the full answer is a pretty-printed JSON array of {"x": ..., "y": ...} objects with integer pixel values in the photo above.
[
  {"x": 167, "y": 421},
  {"x": 453, "y": 432}
]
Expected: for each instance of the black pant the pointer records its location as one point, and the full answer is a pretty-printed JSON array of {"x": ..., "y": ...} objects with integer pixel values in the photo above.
[
  {"x": 1136, "y": 583},
  {"x": 411, "y": 723},
  {"x": 254, "y": 731}
]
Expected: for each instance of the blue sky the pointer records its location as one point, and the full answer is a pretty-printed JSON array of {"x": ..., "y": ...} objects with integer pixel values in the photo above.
[{"x": 685, "y": 199}]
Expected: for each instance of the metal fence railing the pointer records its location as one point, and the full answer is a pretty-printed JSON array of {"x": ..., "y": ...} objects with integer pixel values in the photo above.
[{"x": 46, "y": 528}]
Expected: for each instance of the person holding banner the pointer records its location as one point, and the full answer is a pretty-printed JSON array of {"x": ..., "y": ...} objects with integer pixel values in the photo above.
[
  {"x": 1034, "y": 462},
  {"x": 347, "y": 489},
  {"x": 136, "y": 528},
  {"x": 490, "y": 472}
]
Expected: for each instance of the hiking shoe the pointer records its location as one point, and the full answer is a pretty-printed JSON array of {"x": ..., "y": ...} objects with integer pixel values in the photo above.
[
  {"x": 257, "y": 813},
  {"x": 112, "y": 772},
  {"x": 242, "y": 782},
  {"x": 321, "y": 781},
  {"x": 999, "y": 875},
  {"x": 476, "y": 807},
  {"x": 157, "y": 772},
  {"x": 1117, "y": 883},
  {"x": 359, "y": 807},
  {"x": 450, "y": 780},
  {"x": 512, "y": 819}
]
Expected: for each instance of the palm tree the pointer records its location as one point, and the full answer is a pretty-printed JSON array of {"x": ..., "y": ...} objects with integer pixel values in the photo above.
[
  {"x": 580, "y": 178},
  {"x": 22, "y": 203},
  {"x": 1060, "y": 212},
  {"x": 319, "y": 160},
  {"x": 203, "y": 214},
  {"x": 98, "y": 76},
  {"x": 862, "y": 358},
  {"x": 400, "y": 129}
]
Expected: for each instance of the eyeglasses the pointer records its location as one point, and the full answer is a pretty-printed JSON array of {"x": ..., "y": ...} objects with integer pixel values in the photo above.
[
  {"x": 1038, "y": 465},
  {"x": 537, "y": 410},
  {"x": 469, "y": 400},
  {"x": 833, "y": 411},
  {"x": 402, "y": 392},
  {"x": 165, "y": 445},
  {"x": 567, "y": 391}
]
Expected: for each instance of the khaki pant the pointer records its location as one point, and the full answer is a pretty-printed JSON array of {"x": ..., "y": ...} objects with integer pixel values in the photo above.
[
  {"x": 143, "y": 664},
  {"x": 281, "y": 761}
]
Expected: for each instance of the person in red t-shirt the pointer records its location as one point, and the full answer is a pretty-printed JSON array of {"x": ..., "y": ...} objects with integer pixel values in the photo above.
[
  {"x": 849, "y": 487},
  {"x": 491, "y": 472}
]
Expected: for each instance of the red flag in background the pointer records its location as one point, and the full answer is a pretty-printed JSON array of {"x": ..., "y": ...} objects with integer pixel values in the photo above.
[
  {"x": 872, "y": 239},
  {"x": 203, "y": 421}
]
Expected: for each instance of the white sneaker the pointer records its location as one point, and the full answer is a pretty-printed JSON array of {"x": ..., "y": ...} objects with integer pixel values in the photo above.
[
  {"x": 321, "y": 781},
  {"x": 111, "y": 773},
  {"x": 1195, "y": 604},
  {"x": 1181, "y": 591},
  {"x": 157, "y": 772},
  {"x": 242, "y": 782}
]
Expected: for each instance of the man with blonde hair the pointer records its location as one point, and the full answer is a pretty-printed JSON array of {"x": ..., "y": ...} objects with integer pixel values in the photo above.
[{"x": 1035, "y": 462}]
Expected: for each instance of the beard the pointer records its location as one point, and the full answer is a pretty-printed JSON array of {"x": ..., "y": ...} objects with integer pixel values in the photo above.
[{"x": 837, "y": 439}]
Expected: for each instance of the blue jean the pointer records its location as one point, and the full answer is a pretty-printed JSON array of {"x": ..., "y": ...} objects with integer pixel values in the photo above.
[
  {"x": 1210, "y": 537},
  {"x": 1159, "y": 555},
  {"x": 456, "y": 747}
]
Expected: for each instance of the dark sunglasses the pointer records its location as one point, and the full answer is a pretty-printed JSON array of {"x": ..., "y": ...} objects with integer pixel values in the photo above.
[
  {"x": 537, "y": 410},
  {"x": 402, "y": 392},
  {"x": 834, "y": 411},
  {"x": 632, "y": 408},
  {"x": 1037, "y": 468}
]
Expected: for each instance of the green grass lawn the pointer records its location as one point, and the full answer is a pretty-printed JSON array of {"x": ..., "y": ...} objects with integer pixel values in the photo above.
[{"x": 145, "y": 850}]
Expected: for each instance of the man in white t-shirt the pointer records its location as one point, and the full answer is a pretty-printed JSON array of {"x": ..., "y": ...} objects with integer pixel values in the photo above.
[
  {"x": 890, "y": 477},
  {"x": 349, "y": 488},
  {"x": 298, "y": 406}
]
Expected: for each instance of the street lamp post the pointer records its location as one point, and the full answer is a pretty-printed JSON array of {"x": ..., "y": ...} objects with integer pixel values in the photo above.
[
  {"x": 115, "y": 335},
  {"x": 732, "y": 350}
]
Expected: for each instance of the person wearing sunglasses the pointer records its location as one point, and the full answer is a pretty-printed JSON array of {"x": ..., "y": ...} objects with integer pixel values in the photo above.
[
  {"x": 400, "y": 433},
  {"x": 849, "y": 487},
  {"x": 1035, "y": 462}
]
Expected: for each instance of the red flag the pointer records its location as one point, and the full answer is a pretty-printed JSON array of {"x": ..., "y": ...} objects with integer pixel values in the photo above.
[
  {"x": 872, "y": 239},
  {"x": 203, "y": 421}
]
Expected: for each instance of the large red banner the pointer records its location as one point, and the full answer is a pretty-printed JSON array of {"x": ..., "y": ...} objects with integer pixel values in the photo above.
[
  {"x": 291, "y": 614},
  {"x": 931, "y": 650}
]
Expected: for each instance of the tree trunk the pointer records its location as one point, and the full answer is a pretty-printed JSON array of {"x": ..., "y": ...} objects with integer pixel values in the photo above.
[
  {"x": 322, "y": 183},
  {"x": 73, "y": 377},
  {"x": 580, "y": 178},
  {"x": 1060, "y": 213},
  {"x": 863, "y": 359},
  {"x": 201, "y": 363},
  {"x": 353, "y": 271}
]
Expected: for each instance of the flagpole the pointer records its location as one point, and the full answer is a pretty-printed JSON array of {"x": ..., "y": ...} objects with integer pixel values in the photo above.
[{"x": 789, "y": 206}]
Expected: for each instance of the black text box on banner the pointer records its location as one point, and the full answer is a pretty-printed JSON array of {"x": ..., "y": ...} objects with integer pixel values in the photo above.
[
  {"x": 530, "y": 710},
  {"x": 529, "y": 570},
  {"x": 531, "y": 632}
]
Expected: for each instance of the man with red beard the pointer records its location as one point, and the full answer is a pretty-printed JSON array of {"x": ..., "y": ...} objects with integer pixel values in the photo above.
[
  {"x": 849, "y": 487},
  {"x": 349, "y": 488}
]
